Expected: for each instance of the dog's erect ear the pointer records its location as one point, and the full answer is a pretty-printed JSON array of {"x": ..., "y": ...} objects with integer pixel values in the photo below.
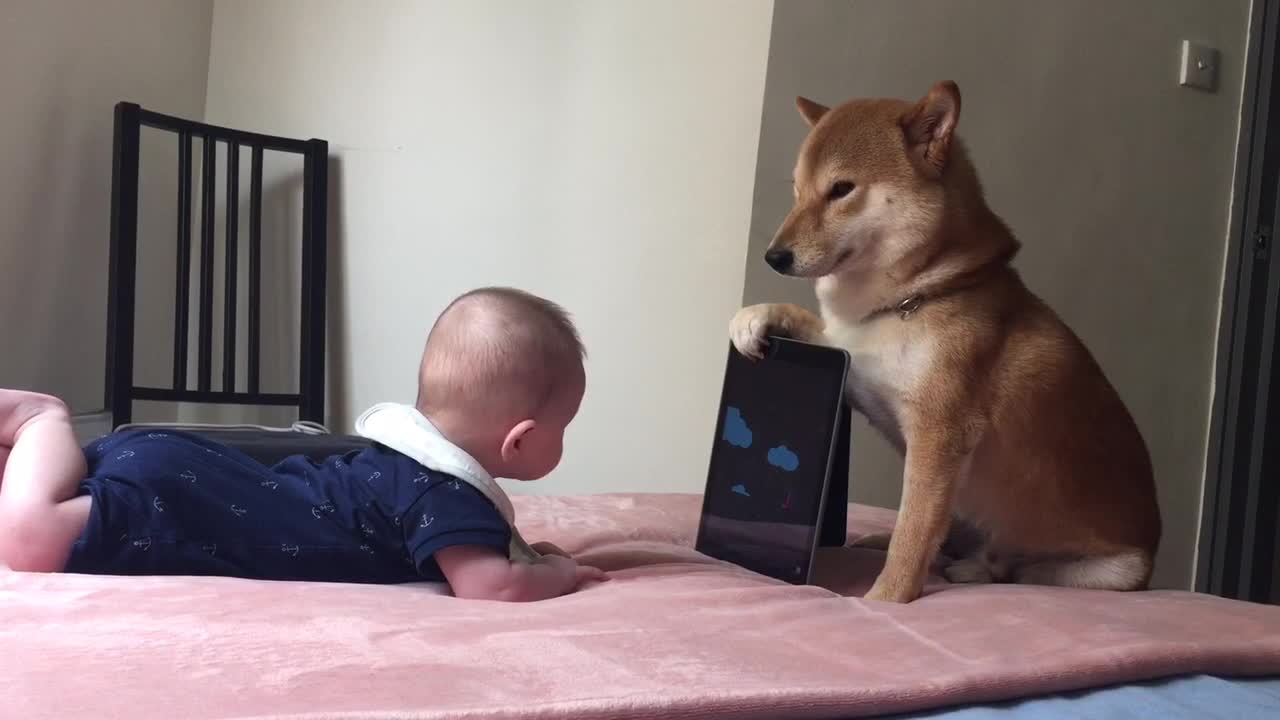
[
  {"x": 811, "y": 110},
  {"x": 930, "y": 125}
]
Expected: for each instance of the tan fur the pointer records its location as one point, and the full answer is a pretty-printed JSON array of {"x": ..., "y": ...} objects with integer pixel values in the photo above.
[{"x": 1005, "y": 419}]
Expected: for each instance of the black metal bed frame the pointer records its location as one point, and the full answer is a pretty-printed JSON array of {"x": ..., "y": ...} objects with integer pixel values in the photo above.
[{"x": 121, "y": 391}]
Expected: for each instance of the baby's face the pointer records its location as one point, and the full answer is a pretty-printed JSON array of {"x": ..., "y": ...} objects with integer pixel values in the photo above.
[{"x": 544, "y": 445}]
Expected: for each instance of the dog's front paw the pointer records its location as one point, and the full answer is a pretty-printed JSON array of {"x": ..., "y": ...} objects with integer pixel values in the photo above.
[
  {"x": 749, "y": 329},
  {"x": 887, "y": 591}
]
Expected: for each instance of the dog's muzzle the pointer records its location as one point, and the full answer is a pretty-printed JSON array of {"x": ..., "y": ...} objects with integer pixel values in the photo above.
[{"x": 780, "y": 260}]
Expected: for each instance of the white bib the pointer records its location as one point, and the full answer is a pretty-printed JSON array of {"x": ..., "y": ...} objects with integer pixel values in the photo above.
[{"x": 407, "y": 431}]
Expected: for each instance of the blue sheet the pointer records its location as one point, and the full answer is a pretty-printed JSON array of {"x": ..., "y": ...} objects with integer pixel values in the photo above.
[{"x": 1201, "y": 697}]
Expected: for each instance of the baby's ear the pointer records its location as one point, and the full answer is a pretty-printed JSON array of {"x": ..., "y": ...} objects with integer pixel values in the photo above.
[{"x": 511, "y": 443}]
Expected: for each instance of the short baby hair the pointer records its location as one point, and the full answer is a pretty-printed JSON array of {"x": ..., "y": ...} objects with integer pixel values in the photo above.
[{"x": 499, "y": 352}]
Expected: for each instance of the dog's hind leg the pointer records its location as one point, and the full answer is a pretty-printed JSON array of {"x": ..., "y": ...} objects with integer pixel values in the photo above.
[
  {"x": 969, "y": 570},
  {"x": 981, "y": 566},
  {"x": 1129, "y": 570}
]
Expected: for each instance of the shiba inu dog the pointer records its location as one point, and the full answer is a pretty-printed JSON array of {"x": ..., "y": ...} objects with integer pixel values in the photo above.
[{"x": 1007, "y": 423}]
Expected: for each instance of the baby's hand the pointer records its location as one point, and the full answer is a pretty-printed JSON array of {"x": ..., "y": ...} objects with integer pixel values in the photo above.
[
  {"x": 573, "y": 574},
  {"x": 546, "y": 548},
  {"x": 588, "y": 574},
  {"x": 584, "y": 574}
]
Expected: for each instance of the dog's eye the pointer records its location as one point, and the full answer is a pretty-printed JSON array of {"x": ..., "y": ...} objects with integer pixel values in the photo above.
[{"x": 839, "y": 190}]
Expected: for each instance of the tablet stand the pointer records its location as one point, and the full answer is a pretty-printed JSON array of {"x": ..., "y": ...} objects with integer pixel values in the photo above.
[{"x": 835, "y": 518}]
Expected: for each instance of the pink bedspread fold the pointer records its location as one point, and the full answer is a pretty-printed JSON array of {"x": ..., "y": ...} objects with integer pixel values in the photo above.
[{"x": 673, "y": 635}]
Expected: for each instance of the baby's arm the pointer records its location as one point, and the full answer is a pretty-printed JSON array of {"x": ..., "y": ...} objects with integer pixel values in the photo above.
[{"x": 481, "y": 573}]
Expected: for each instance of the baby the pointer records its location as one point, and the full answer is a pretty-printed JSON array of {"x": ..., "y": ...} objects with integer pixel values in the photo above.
[{"x": 501, "y": 378}]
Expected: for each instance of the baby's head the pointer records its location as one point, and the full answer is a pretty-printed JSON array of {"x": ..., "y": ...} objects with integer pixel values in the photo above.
[{"x": 502, "y": 376}]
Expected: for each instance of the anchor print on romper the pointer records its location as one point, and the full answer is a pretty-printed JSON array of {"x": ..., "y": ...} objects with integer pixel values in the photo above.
[
  {"x": 188, "y": 476},
  {"x": 143, "y": 544},
  {"x": 367, "y": 549},
  {"x": 269, "y": 484},
  {"x": 158, "y": 504},
  {"x": 364, "y": 528},
  {"x": 239, "y": 511},
  {"x": 376, "y": 474},
  {"x": 421, "y": 478},
  {"x": 290, "y": 550},
  {"x": 426, "y": 521},
  {"x": 455, "y": 485},
  {"x": 125, "y": 454},
  {"x": 316, "y": 510},
  {"x": 211, "y": 548},
  {"x": 157, "y": 436}
]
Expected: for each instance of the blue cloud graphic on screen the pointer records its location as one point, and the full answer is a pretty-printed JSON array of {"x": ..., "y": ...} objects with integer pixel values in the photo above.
[
  {"x": 782, "y": 457},
  {"x": 736, "y": 432}
]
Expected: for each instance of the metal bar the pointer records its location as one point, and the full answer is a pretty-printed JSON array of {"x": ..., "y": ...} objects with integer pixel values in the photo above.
[
  {"x": 225, "y": 134},
  {"x": 182, "y": 273},
  {"x": 205, "y": 347},
  {"x": 311, "y": 385},
  {"x": 255, "y": 270},
  {"x": 231, "y": 269},
  {"x": 227, "y": 398},
  {"x": 122, "y": 270}
]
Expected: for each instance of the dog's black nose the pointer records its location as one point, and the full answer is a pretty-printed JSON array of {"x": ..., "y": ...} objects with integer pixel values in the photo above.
[{"x": 780, "y": 260}]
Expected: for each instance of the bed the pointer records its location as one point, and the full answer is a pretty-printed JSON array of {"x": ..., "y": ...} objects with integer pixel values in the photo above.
[{"x": 674, "y": 634}]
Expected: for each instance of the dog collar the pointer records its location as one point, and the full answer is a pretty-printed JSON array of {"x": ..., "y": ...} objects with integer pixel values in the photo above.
[
  {"x": 907, "y": 308},
  {"x": 909, "y": 305},
  {"x": 904, "y": 309}
]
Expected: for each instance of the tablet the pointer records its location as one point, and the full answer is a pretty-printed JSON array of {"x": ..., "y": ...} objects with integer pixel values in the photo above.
[{"x": 781, "y": 431}]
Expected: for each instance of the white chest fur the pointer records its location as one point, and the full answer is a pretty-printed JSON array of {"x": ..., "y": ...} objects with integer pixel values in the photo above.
[{"x": 889, "y": 359}]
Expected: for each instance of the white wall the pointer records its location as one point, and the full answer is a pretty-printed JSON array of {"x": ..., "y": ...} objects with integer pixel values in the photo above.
[
  {"x": 63, "y": 66},
  {"x": 1116, "y": 180},
  {"x": 601, "y": 154}
]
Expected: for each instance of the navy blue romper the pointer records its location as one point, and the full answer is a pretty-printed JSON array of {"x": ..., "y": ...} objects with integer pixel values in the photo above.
[{"x": 173, "y": 503}]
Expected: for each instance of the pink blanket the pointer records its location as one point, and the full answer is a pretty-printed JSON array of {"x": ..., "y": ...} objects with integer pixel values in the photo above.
[{"x": 674, "y": 635}]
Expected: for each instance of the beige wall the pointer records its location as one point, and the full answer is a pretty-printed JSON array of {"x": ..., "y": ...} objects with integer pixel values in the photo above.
[
  {"x": 1116, "y": 180},
  {"x": 599, "y": 153},
  {"x": 63, "y": 66}
]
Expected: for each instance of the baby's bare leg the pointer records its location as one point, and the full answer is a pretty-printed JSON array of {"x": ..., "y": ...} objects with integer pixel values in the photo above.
[{"x": 40, "y": 515}]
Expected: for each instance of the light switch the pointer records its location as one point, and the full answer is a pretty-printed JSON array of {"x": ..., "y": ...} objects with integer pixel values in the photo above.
[{"x": 1199, "y": 67}]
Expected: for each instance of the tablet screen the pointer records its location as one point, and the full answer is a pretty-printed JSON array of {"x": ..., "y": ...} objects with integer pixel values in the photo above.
[{"x": 769, "y": 464}]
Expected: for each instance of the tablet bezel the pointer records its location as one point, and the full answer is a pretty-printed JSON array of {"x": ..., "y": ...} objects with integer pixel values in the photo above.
[{"x": 823, "y": 357}]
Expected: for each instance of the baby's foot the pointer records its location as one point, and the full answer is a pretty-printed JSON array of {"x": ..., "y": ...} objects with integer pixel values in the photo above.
[{"x": 18, "y": 407}]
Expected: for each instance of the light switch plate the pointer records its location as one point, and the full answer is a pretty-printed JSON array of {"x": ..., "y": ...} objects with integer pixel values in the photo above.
[{"x": 1199, "y": 68}]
